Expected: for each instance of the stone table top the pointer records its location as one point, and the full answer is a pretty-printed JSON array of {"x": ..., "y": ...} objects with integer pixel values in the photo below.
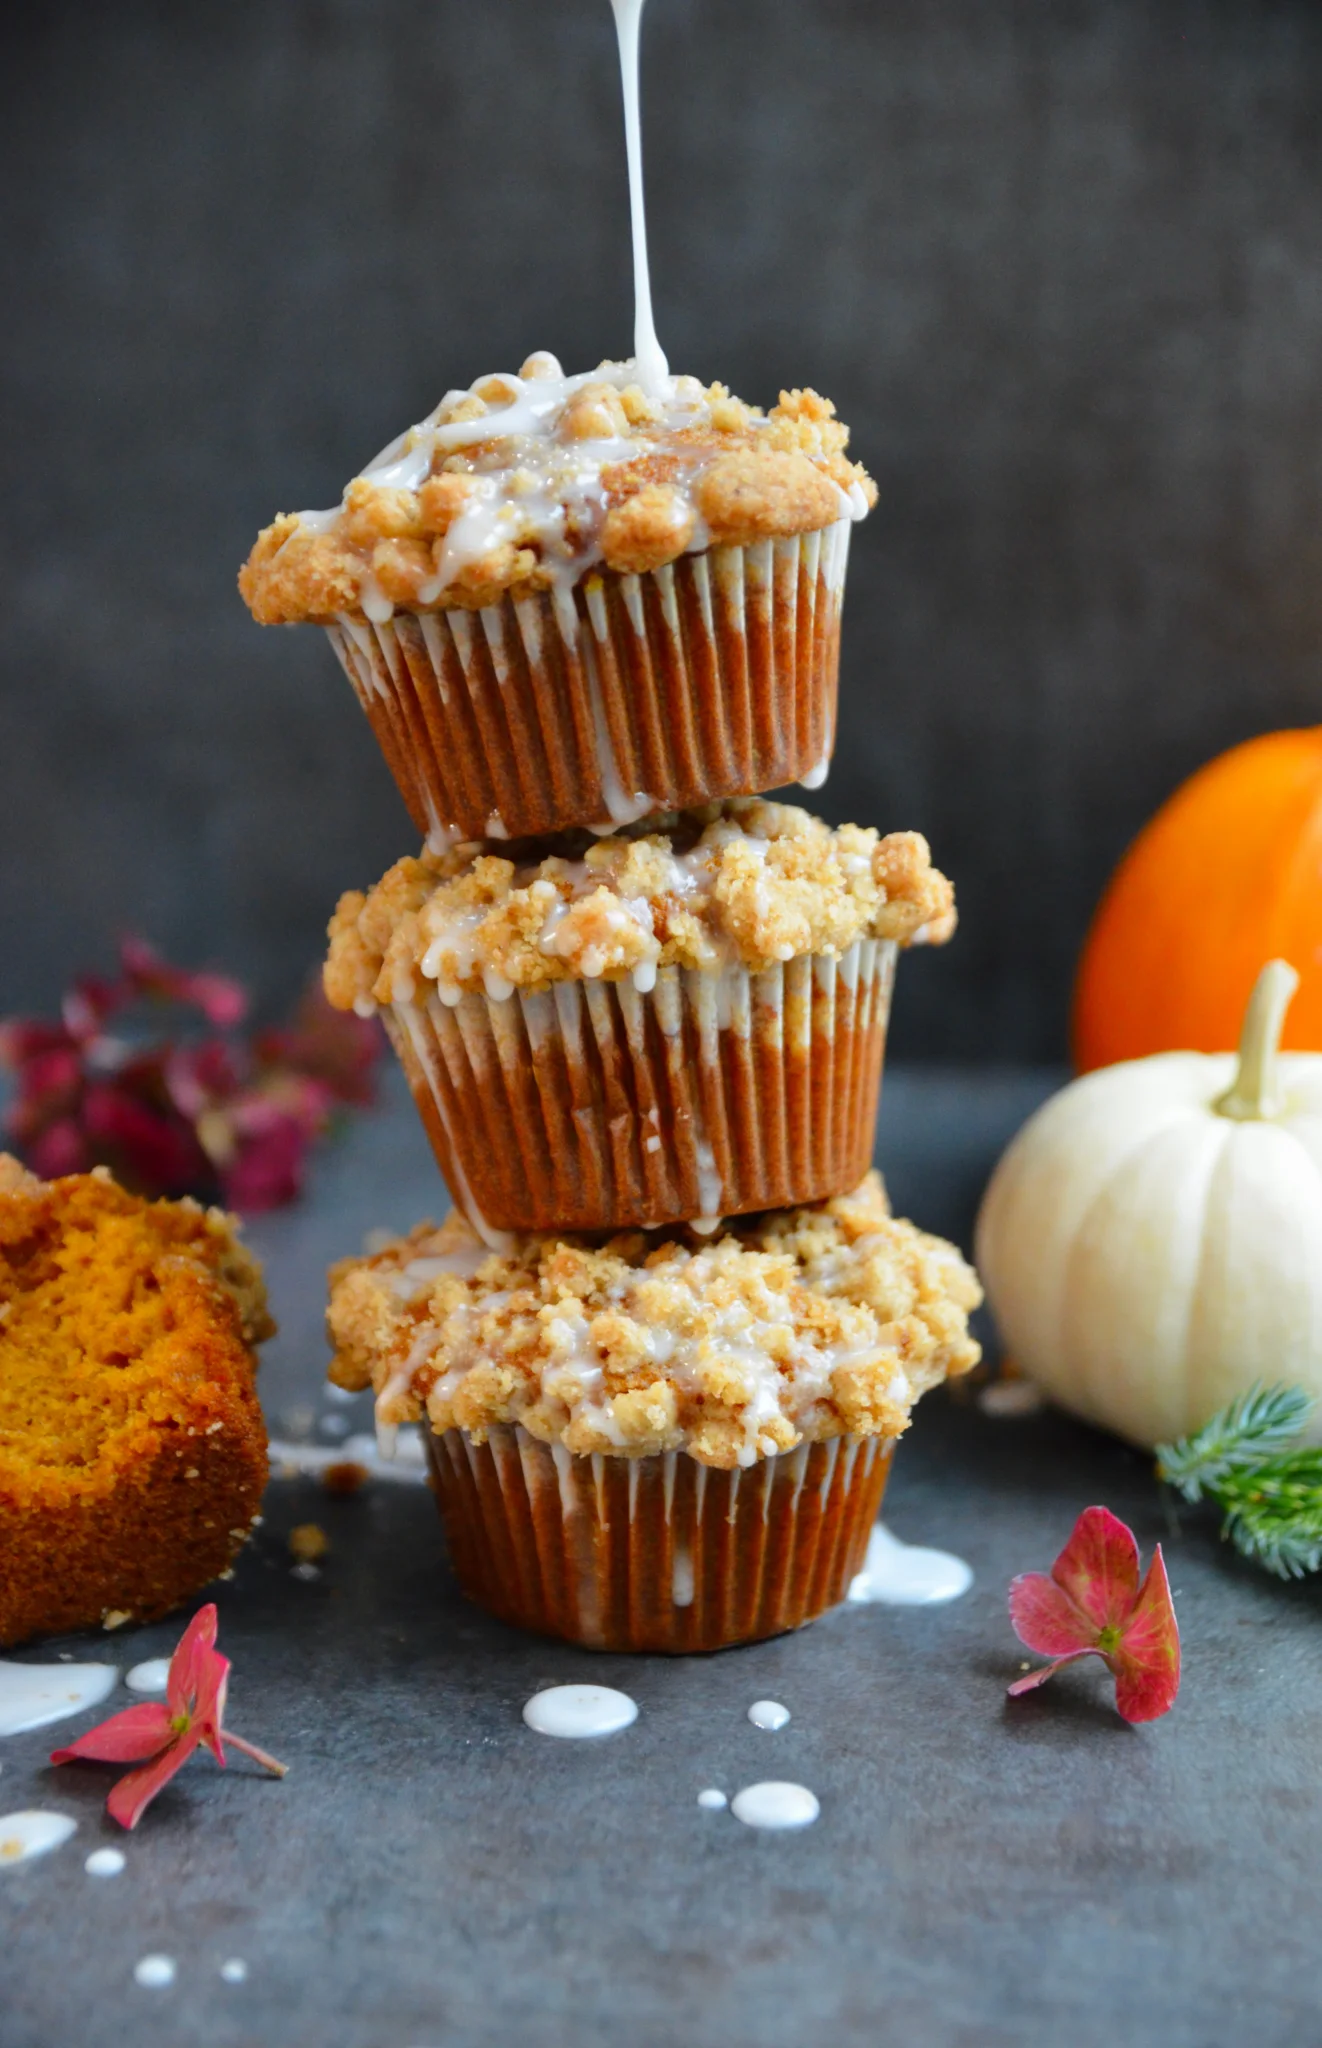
[{"x": 433, "y": 1874}]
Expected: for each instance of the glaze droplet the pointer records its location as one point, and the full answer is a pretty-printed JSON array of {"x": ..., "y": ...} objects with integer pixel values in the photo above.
[
  {"x": 1010, "y": 1398},
  {"x": 579, "y": 1710},
  {"x": 151, "y": 1676},
  {"x": 712, "y": 1800},
  {"x": 155, "y": 1972},
  {"x": 235, "y": 1971},
  {"x": 33, "y": 1695},
  {"x": 768, "y": 1714},
  {"x": 104, "y": 1863},
  {"x": 24, "y": 1835},
  {"x": 899, "y": 1574},
  {"x": 775, "y": 1804}
]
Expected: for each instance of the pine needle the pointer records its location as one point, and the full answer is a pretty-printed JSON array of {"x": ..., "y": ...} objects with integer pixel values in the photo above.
[
  {"x": 1246, "y": 1460},
  {"x": 1258, "y": 1425}
]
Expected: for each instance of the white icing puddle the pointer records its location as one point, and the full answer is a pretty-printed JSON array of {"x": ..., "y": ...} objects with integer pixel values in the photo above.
[
  {"x": 775, "y": 1804},
  {"x": 712, "y": 1801},
  {"x": 25, "y": 1835},
  {"x": 235, "y": 1971},
  {"x": 768, "y": 1714},
  {"x": 104, "y": 1863},
  {"x": 33, "y": 1695},
  {"x": 1010, "y": 1398},
  {"x": 152, "y": 1676},
  {"x": 408, "y": 1466},
  {"x": 575, "y": 1711},
  {"x": 155, "y": 1972},
  {"x": 899, "y": 1574}
]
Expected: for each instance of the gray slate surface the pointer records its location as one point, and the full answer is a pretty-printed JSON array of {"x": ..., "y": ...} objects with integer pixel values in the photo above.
[{"x": 433, "y": 1875}]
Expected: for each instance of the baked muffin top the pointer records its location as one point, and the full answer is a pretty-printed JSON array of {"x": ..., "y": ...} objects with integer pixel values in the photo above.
[
  {"x": 802, "y": 1324},
  {"x": 522, "y": 484},
  {"x": 743, "y": 882}
]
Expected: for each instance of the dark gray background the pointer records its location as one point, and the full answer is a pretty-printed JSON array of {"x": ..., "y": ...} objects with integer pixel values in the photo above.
[{"x": 1058, "y": 263}]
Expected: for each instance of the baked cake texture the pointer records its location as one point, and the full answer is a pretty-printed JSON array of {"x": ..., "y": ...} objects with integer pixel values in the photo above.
[{"x": 132, "y": 1447}]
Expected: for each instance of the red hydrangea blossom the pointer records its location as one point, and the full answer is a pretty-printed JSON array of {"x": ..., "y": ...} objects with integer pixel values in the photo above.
[
  {"x": 1092, "y": 1605},
  {"x": 161, "y": 1736},
  {"x": 217, "y": 1114}
]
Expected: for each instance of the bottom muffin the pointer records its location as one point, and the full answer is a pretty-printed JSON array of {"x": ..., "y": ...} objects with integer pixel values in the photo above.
[{"x": 663, "y": 1441}]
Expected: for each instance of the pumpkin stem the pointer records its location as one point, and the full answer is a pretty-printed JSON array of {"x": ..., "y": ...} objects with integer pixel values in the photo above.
[{"x": 1256, "y": 1088}]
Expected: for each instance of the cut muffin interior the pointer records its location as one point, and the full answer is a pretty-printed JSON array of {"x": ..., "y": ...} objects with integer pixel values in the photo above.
[{"x": 132, "y": 1449}]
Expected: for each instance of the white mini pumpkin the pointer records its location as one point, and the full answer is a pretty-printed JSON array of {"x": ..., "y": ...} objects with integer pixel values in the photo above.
[{"x": 1151, "y": 1242}]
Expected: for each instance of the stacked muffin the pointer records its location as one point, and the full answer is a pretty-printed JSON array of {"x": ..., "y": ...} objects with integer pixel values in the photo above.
[{"x": 635, "y": 1001}]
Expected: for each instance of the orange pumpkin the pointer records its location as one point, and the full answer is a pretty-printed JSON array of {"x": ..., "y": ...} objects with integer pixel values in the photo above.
[{"x": 1228, "y": 874}]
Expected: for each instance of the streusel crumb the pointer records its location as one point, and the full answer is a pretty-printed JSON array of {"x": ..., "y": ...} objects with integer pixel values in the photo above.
[
  {"x": 522, "y": 482},
  {"x": 806, "y": 1324},
  {"x": 743, "y": 882}
]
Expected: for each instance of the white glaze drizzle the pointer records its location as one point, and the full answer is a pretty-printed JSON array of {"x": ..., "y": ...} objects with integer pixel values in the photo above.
[
  {"x": 712, "y": 1801},
  {"x": 34, "y": 1695},
  {"x": 1010, "y": 1399},
  {"x": 407, "y": 1465},
  {"x": 153, "y": 1675},
  {"x": 775, "y": 1804},
  {"x": 897, "y": 1574},
  {"x": 768, "y": 1714},
  {"x": 574, "y": 1712},
  {"x": 155, "y": 1972},
  {"x": 32, "y": 1833},
  {"x": 652, "y": 365}
]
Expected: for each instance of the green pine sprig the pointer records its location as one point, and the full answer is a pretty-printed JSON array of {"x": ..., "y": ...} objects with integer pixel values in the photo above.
[{"x": 1247, "y": 1460}]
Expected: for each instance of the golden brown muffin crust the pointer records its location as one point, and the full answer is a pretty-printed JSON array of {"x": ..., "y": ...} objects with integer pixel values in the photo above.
[
  {"x": 607, "y": 475},
  {"x": 804, "y": 1324},
  {"x": 745, "y": 881}
]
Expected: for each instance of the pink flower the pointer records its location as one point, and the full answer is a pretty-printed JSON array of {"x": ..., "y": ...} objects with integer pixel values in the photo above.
[
  {"x": 1092, "y": 1605},
  {"x": 166, "y": 1732},
  {"x": 217, "y": 1116}
]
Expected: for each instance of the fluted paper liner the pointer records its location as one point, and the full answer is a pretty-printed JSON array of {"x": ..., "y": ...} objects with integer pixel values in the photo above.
[
  {"x": 658, "y": 1553},
  {"x": 588, "y": 1106},
  {"x": 621, "y": 695}
]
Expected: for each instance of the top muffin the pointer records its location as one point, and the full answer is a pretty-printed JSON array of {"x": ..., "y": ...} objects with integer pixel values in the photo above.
[{"x": 520, "y": 483}]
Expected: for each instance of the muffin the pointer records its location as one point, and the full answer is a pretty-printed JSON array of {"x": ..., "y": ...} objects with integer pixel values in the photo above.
[
  {"x": 132, "y": 1449},
  {"x": 564, "y": 602},
  {"x": 665, "y": 1442},
  {"x": 685, "y": 1020}
]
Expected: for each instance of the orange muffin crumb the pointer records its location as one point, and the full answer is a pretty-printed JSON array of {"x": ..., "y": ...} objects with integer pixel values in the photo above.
[{"x": 132, "y": 1447}]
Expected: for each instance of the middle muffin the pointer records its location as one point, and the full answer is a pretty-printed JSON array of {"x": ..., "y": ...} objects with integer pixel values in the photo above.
[{"x": 683, "y": 1020}]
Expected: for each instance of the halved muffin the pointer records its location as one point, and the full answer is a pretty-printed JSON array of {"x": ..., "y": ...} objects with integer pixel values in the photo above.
[{"x": 132, "y": 1447}]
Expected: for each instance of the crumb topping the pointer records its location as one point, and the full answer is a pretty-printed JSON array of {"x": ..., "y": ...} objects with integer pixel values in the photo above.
[
  {"x": 740, "y": 882},
  {"x": 799, "y": 1325},
  {"x": 522, "y": 484}
]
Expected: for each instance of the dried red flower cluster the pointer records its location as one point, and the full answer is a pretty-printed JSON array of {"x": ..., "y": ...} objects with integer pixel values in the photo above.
[{"x": 223, "y": 1115}]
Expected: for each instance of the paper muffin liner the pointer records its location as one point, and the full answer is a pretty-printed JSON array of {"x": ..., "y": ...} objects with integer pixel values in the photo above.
[
  {"x": 590, "y": 1106},
  {"x": 598, "y": 704},
  {"x": 658, "y": 1553}
]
